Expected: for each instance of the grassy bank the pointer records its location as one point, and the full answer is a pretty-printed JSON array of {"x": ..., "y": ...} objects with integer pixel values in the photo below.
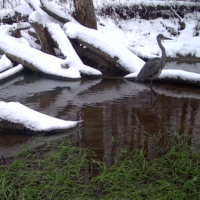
[{"x": 64, "y": 171}]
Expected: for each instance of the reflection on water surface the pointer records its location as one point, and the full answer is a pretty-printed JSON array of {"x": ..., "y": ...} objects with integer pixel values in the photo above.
[{"x": 117, "y": 113}]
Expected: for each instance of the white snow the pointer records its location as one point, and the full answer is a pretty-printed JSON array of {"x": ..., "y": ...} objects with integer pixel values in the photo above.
[
  {"x": 5, "y": 63},
  {"x": 6, "y": 12},
  {"x": 33, "y": 120},
  {"x": 105, "y": 3},
  {"x": 72, "y": 59},
  {"x": 52, "y": 7},
  {"x": 179, "y": 74},
  {"x": 173, "y": 74},
  {"x": 44, "y": 62},
  {"x": 106, "y": 44},
  {"x": 34, "y": 3},
  {"x": 117, "y": 37},
  {"x": 11, "y": 72},
  {"x": 139, "y": 35},
  {"x": 23, "y": 9}
]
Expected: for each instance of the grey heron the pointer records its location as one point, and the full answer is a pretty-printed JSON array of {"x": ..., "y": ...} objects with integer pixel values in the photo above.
[{"x": 153, "y": 67}]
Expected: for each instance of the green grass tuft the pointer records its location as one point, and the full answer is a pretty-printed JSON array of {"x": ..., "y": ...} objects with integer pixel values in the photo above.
[{"x": 64, "y": 171}]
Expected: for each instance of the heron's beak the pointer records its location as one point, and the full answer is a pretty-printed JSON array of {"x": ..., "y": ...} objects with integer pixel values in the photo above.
[{"x": 167, "y": 38}]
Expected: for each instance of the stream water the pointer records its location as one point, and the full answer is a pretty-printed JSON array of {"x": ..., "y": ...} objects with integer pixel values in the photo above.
[{"x": 117, "y": 113}]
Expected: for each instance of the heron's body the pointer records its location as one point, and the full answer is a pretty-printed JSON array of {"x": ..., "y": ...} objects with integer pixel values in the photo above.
[{"x": 153, "y": 67}]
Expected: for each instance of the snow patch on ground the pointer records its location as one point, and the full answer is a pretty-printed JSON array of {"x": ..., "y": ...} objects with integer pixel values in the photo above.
[{"x": 139, "y": 35}]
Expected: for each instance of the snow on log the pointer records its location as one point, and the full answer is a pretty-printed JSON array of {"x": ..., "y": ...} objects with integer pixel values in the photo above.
[
  {"x": 16, "y": 117},
  {"x": 11, "y": 73},
  {"x": 111, "y": 50},
  {"x": 63, "y": 44},
  {"x": 15, "y": 31},
  {"x": 19, "y": 13},
  {"x": 37, "y": 60},
  {"x": 44, "y": 38},
  {"x": 23, "y": 10},
  {"x": 34, "y": 4},
  {"x": 32, "y": 33},
  {"x": 5, "y": 63},
  {"x": 90, "y": 58},
  {"x": 42, "y": 33},
  {"x": 175, "y": 76},
  {"x": 7, "y": 16},
  {"x": 54, "y": 12}
]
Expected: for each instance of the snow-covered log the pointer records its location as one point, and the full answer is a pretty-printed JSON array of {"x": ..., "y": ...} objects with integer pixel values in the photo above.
[
  {"x": 11, "y": 73},
  {"x": 111, "y": 50},
  {"x": 63, "y": 44},
  {"x": 42, "y": 33},
  {"x": 32, "y": 33},
  {"x": 15, "y": 32},
  {"x": 19, "y": 13},
  {"x": 34, "y": 4},
  {"x": 54, "y": 12},
  {"x": 174, "y": 76},
  {"x": 39, "y": 61},
  {"x": 17, "y": 118},
  {"x": 5, "y": 63},
  {"x": 44, "y": 38},
  {"x": 92, "y": 59},
  {"x": 7, "y": 16}
]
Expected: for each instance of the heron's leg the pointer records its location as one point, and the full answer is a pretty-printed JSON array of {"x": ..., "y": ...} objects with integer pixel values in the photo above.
[
  {"x": 150, "y": 87},
  {"x": 151, "y": 83}
]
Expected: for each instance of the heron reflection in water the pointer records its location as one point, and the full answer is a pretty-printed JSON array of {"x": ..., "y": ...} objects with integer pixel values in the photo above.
[{"x": 153, "y": 67}]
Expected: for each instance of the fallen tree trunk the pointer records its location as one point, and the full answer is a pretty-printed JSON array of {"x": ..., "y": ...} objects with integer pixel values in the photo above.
[
  {"x": 90, "y": 58},
  {"x": 15, "y": 32},
  {"x": 44, "y": 37},
  {"x": 71, "y": 59},
  {"x": 54, "y": 12},
  {"x": 173, "y": 76},
  {"x": 11, "y": 73},
  {"x": 114, "y": 53},
  {"x": 31, "y": 58}
]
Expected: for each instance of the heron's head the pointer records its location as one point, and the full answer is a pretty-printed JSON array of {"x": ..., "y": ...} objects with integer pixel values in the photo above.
[{"x": 162, "y": 37}]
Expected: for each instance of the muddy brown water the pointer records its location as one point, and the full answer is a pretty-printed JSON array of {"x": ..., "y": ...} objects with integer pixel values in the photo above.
[{"x": 117, "y": 113}]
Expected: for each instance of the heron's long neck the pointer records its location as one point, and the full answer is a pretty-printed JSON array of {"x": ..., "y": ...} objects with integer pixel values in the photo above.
[{"x": 163, "y": 56}]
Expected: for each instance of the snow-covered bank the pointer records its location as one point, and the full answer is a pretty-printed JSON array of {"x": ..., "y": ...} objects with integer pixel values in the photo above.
[
  {"x": 139, "y": 35},
  {"x": 154, "y": 3},
  {"x": 17, "y": 113}
]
